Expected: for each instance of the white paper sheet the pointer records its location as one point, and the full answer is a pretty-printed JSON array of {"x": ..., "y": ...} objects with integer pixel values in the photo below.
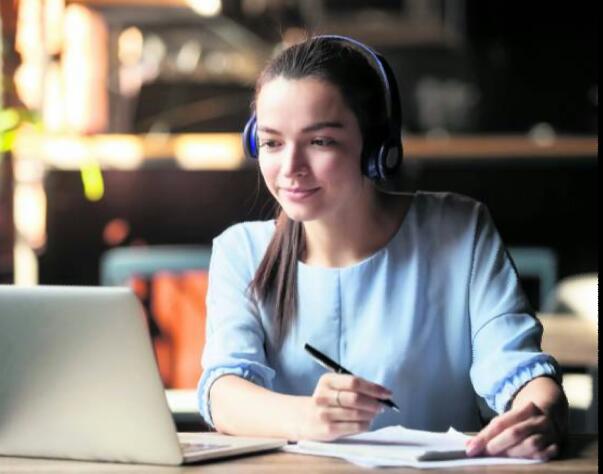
[{"x": 398, "y": 446}]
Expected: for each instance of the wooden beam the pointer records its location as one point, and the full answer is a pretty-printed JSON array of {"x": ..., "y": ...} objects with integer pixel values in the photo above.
[{"x": 69, "y": 151}]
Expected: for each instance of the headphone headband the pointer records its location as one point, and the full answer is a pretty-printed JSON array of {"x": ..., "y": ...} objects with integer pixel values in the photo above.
[{"x": 377, "y": 62}]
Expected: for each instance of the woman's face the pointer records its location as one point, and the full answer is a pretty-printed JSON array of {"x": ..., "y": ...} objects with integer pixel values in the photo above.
[{"x": 309, "y": 148}]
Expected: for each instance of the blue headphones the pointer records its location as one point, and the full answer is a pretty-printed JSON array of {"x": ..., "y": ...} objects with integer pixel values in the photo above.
[{"x": 386, "y": 158}]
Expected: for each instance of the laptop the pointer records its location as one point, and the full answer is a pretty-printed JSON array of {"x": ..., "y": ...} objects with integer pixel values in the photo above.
[{"x": 78, "y": 380}]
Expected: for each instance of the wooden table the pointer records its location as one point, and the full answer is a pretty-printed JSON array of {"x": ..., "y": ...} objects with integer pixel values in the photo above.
[
  {"x": 573, "y": 341},
  {"x": 581, "y": 455}
]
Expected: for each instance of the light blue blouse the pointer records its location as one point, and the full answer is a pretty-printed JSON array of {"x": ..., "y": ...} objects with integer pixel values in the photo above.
[{"x": 437, "y": 316}]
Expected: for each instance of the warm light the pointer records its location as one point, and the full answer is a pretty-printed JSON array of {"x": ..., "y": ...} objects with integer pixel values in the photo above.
[
  {"x": 28, "y": 170},
  {"x": 294, "y": 35},
  {"x": 206, "y": 7},
  {"x": 53, "y": 110},
  {"x": 118, "y": 151},
  {"x": 29, "y": 210},
  {"x": 542, "y": 134},
  {"x": 29, "y": 28},
  {"x": 114, "y": 151},
  {"x": 53, "y": 25},
  {"x": 130, "y": 45},
  {"x": 116, "y": 231},
  {"x": 154, "y": 49},
  {"x": 85, "y": 65},
  {"x": 218, "y": 62},
  {"x": 244, "y": 66},
  {"x": 130, "y": 80},
  {"x": 64, "y": 152},
  {"x": 28, "y": 82},
  {"x": 188, "y": 56},
  {"x": 153, "y": 53},
  {"x": 216, "y": 151},
  {"x": 579, "y": 389},
  {"x": 70, "y": 152},
  {"x": 26, "y": 264}
]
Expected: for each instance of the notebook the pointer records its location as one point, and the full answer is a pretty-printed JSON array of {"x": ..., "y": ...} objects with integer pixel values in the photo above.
[
  {"x": 78, "y": 380},
  {"x": 399, "y": 446}
]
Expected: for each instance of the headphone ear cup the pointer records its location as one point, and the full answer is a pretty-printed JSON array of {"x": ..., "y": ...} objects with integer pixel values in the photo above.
[
  {"x": 388, "y": 160},
  {"x": 250, "y": 138}
]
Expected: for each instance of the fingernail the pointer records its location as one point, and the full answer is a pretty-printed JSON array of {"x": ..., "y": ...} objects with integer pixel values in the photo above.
[{"x": 473, "y": 448}]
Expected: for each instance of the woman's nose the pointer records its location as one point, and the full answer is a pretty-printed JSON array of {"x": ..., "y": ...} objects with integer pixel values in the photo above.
[{"x": 293, "y": 162}]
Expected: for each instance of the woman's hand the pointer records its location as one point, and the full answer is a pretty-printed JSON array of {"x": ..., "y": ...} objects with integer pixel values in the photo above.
[
  {"x": 340, "y": 405},
  {"x": 527, "y": 430}
]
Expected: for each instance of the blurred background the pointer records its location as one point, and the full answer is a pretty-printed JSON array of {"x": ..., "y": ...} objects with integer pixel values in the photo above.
[{"x": 120, "y": 155}]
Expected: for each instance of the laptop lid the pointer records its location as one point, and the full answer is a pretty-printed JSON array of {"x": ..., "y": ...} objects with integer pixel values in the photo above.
[{"x": 78, "y": 378}]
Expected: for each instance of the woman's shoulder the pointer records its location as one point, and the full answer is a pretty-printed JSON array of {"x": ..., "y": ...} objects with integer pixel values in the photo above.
[
  {"x": 250, "y": 237},
  {"x": 439, "y": 205},
  {"x": 431, "y": 199},
  {"x": 437, "y": 213}
]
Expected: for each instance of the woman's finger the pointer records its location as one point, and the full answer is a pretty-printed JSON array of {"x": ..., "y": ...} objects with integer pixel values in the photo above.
[
  {"x": 529, "y": 447},
  {"x": 352, "y": 383},
  {"x": 337, "y": 414},
  {"x": 549, "y": 453},
  {"x": 535, "y": 449},
  {"x": 358, "y": 401},
  {"x": 516, "y": 434},
  {"x": 478, "y": 443}
]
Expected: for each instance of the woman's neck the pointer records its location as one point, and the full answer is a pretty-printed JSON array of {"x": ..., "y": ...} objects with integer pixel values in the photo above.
[{"x": 346, "y": 239}]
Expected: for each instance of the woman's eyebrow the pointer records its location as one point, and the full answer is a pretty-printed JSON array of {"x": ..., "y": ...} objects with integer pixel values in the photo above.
[
  {"x": 310, "y": 128},
  {"x": 320, "y": 125},
  {"x": 269, "y": 130}
]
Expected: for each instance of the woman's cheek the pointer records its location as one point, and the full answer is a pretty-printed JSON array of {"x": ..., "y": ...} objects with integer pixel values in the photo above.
[
  {"x": 332, "y": 168},
  {"x": 269, "y": 170}
]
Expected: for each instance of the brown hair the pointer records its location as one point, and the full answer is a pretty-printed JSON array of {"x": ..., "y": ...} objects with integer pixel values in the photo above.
[{"x": 342, "y": 65}]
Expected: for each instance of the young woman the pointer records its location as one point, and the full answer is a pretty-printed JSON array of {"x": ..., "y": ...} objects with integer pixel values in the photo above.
[{"x": 413, "y": 293}]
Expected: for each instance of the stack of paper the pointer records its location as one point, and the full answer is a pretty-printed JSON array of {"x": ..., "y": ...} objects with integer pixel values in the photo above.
[{"x": 398, "y": 446}]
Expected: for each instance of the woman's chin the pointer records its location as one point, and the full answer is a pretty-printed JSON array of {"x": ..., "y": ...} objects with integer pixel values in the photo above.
[{"x": 295, "y": 213}]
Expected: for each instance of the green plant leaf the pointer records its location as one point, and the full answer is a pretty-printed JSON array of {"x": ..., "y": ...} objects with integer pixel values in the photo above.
[
  {"x": 9, "y": 119},
  {"x": 7, "y": 140}
]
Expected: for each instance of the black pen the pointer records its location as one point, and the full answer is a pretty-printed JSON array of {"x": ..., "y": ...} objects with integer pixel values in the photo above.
[{"x": 338, "y": 369}]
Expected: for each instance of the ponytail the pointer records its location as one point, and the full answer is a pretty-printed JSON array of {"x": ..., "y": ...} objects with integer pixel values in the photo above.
[{"x": 275, "y": 281}]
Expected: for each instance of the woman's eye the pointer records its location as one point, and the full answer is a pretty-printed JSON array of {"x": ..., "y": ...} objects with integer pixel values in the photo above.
[
  {"x": 268, "y": 143},
  {"x": 323, "y": 141}
]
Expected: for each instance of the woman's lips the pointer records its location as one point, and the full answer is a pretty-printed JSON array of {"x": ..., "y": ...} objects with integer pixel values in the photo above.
[{"x": 298, "y": 194}]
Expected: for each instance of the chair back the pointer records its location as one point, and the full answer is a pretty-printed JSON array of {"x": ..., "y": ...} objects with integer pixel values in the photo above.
[
  {"x": 536, "y": 263},
  {"x": 171, "y": 281}
]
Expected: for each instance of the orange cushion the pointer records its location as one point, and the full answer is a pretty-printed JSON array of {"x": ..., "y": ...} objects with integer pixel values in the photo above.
[{"x": 176, "y": 308}]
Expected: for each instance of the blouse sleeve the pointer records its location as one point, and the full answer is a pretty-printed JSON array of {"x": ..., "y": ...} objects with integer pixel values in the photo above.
[
  {"x": 506, "y": 335},
  {"x": 234, "y": 334}
]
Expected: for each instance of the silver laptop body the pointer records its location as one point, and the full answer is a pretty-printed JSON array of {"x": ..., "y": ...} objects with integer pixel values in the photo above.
[{"x": 78, "y": 380}]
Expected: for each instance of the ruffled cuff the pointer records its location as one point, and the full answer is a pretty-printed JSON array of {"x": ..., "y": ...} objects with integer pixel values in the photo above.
[
  {"x": 506, "y": 390},
  {"x": 210, "y": 376}
]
